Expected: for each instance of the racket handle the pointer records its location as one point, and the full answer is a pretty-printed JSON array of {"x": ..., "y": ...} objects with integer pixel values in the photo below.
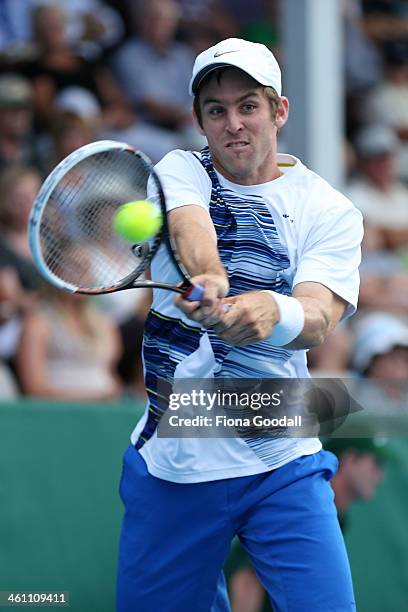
[{"x": 194, "y": 293}]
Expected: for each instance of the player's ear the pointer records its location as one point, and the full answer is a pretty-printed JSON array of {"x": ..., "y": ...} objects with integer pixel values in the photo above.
[
  {"x": 282, "y": 113},
  {"x": 197, "y": 122}
]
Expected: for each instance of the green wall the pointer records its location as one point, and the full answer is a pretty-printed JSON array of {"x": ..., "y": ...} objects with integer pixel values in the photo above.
[
  {"x": 377, "y": 540},
  {"x": 60, "y": 511}
]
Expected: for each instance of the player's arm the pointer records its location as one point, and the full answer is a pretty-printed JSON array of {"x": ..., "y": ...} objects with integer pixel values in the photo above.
[
  {"x": 322, "y": 308},
  {"x": 307, "y": 317},
  {"x": 193, "y": 232},
  {"x": 330, "y": 258}
]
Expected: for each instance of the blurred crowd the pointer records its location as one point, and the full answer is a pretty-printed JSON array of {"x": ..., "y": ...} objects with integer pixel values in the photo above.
[
  {"x": 373, "y": 344},
  {"x": 75, "y": 71},
  {"x": 72, "y": 72}
]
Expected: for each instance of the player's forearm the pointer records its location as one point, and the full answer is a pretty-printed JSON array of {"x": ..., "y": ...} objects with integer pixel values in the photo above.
[
  {"x": 300, "y": 322},
  {"x": 303, "y": 322},
  {"x": 198, "y": 252},
  {"x": 317, "y": 324},
  {"x": 196, "y": 241},
  {"x": 196, "y": 244}
]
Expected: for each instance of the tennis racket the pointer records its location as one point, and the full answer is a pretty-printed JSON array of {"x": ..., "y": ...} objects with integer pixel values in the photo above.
[{"x": 71, "y": 231}]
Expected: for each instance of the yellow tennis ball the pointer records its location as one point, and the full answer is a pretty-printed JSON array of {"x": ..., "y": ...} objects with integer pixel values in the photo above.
[{"x": 137, "y": 221}]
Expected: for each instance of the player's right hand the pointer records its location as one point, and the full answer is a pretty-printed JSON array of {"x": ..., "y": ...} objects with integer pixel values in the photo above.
[{"x": 251, "y": 318}]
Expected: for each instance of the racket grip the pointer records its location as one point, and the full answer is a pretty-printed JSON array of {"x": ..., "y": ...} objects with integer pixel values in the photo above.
[{"x": 194, "y": 294}]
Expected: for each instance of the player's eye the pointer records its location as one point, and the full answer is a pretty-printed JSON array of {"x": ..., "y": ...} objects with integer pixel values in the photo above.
[
  {"x": 215, "y": 111},
  {"x": 248, "y": 107}
]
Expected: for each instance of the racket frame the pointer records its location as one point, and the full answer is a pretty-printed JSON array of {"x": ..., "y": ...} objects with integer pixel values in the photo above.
[{"x": 190, "y": 292}]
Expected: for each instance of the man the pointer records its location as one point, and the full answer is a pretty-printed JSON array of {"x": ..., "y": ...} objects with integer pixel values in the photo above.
[
  {"x": 153, "y": 67},
  {"x": 380, "y": 355},
  {"x": 392, "y": 92},
  {"x": 16, "y": 112},
  {"x": 360, "y": 470},
  {"x": 376, "y": 190},
  {"x": 277, "y": 251}
]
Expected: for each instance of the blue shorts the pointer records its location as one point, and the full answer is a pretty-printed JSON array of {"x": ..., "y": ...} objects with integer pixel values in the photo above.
[{"x": 175, "y": 539}]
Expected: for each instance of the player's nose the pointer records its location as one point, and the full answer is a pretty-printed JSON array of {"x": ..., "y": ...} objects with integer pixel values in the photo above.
[{"x": 234, "y": 121}]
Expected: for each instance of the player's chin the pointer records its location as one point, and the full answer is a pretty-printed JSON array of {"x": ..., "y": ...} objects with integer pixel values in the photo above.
[
  {"x": 240, "y": 171},
  {"x": 241, "y": 158}
]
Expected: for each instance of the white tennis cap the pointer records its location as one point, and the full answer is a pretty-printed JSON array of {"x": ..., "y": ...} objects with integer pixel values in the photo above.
[
  {"x": 253, "y": 58},
  {"x": 377, "y": 334}
]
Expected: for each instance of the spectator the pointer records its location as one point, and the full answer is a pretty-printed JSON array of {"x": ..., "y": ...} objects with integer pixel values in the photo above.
[
  {"x": 88, "y": 21},
  {"x": 380, "y": 354},
  {"x": 16, "y": 98},
  {"x": 92, "y": 25},
  {"x": 392, "y": 93},
  {"x": 153, "y": 68},
  {"x": 151, "y": 139},
  {"x": 333, "y": 356},
  {"x": 363, "y": 61},
  {"x": 205, "y": 23},
  {"x": 376, "y": 190},
  {"x": 14, "y": 27},
  {"x": 363, "y": 64},
  {"x": 360, "y": 470},
  {"x": 18, "y": 188},
  {"x": 68, "y": 131},
  {"x": 130, "y": 366},
  {"x": 19, "y": 279},
  {"x": 82, "y": 103},
  {"x": 385, "y": 20},
  {"x": 384, "y": 279},
  {"x": 56, "y": 66},
  {"x": 13, "y": 304},
  {"x": 68, "y": 351}
]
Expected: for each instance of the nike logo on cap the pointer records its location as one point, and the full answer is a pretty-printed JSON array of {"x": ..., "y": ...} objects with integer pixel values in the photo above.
[{"x": 219, "y": 53}]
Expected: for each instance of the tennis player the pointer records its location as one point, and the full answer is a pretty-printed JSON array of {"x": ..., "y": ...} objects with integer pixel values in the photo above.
[{"x": 272, "y": 240}]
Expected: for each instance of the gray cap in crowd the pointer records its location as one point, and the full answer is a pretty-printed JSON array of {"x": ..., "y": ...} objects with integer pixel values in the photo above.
[
  {"x": 15, "y": 91},
  {"x": 374, "y": 140},
  {"x": 377, "y": 334},
  {"x": 377, "y": 446}
]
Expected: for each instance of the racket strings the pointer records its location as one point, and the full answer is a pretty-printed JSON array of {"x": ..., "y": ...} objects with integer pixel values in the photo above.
[{"x": 78, "y": 241}]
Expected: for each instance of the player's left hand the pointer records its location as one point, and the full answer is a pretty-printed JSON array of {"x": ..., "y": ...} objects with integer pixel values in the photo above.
[
  {"x": 250, "y": 318},
  {"x": 210, "y": 310}
]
